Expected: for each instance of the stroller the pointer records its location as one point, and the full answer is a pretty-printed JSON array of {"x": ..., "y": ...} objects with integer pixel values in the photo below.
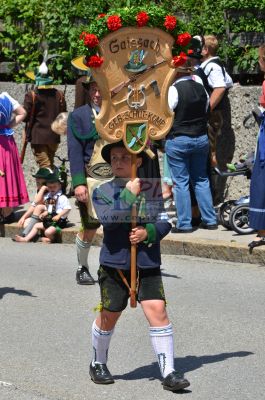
[{"x": 233, "y": 214}]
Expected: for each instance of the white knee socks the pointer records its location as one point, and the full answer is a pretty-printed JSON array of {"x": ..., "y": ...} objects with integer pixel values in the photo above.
[
  {"x": 100, "y": 343},
  {"x": 162, "y": 342},
  {"x": 82, "y": 249}
]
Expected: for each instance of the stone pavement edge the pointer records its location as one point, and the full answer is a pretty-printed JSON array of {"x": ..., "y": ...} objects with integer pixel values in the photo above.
[{"x": 219, "y": 244}]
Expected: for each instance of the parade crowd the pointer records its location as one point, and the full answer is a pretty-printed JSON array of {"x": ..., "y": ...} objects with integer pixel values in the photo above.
[{"x": 105, "y": 194}]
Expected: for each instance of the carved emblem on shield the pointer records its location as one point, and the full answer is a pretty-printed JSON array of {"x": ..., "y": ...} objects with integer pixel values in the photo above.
[{"x": 136, "y": 136}]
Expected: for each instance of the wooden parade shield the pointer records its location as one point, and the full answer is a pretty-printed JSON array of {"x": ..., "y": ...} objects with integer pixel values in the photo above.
[{"x": 134, "y": 80}]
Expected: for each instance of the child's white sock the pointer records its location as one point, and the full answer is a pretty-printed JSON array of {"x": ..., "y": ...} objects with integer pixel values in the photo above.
[
  {"x": 100, "y": 343},
  {"x": 162, "y": 342},
  {"x": 82, "y": 249}
]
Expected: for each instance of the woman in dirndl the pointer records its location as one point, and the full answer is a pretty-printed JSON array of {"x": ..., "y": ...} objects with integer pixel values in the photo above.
[
  {"x": 257, "y": 186},
  {"x": 13, "y": 191}
]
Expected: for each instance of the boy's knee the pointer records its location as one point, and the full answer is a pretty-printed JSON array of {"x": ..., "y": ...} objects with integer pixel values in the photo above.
[{"x": 107, "y": 320}]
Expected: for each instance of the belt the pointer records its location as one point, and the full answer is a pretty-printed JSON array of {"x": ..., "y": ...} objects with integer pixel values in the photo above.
[
  {"x": 100, "y": 171},
  {"x": 173, "y": 135}
]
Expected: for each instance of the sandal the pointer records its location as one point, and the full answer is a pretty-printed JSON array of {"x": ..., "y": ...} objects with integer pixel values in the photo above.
[{"x": 256, "y": 243}]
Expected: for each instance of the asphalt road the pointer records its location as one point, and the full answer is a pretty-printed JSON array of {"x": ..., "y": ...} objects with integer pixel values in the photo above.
[{"x": 217, "y": 310}]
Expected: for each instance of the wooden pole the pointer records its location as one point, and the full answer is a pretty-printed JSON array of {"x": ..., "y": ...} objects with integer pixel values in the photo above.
[
  {"x": 24, "y": 146},
  {"x": 133, "y": 302}
]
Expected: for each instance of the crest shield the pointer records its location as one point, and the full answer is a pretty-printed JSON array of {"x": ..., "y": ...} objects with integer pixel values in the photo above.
[{"x": 134, "y": 81}]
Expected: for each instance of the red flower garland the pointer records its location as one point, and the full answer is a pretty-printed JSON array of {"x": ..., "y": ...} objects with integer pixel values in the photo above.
[
  {"x": 179, "y": 60},
  {"x": 94, "y": 62},
  {"x": 170, "y": 22},
  {"x": 90, "y": 40},
  {"x": 142, "y": 18},
  {"x": 114, "y": 23},
  {"x": 183, "y": 39}
]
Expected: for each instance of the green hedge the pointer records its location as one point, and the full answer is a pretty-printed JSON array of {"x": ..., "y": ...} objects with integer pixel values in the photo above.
[{"x": 31, "y": 23}]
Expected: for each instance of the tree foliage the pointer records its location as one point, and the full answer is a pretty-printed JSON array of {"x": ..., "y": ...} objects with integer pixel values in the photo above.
[{"x": 31, "y": 25}]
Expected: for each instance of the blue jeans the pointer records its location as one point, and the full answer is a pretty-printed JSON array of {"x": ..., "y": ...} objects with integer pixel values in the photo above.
[{"x": 187, "y": 159}]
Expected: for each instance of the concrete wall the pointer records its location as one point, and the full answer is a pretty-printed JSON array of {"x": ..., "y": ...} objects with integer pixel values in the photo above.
[{"x": 235, "y": 139}]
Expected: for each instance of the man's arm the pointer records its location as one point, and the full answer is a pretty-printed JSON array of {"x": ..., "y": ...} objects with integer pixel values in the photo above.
[{"x": 216, "y": 97}]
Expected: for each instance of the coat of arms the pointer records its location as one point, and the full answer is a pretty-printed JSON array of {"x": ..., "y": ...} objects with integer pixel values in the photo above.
[{"x": 134, "y": 67}]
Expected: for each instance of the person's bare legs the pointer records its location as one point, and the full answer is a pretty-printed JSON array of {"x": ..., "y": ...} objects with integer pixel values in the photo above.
[
  {"x": 49, "y": 235},
  {"x": 161, "y": 335},
  {"x": 31, "y": 234}
]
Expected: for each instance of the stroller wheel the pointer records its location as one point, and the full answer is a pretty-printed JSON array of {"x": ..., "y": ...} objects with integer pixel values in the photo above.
[
  {"x": 224, "y": 213},
  {"x": 239, "y": 221}
]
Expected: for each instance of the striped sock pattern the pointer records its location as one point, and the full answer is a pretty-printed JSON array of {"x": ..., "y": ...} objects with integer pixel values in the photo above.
[
  {"x": 162, "y": 342},
  {"x": 82, "y": 249},
  {"x": 100, "y": 343}
]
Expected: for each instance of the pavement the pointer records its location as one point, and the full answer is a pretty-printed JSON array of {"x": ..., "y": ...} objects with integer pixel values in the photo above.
[
  {"x": 217, "y": 310},
  {"x": 220, "y": 244}
]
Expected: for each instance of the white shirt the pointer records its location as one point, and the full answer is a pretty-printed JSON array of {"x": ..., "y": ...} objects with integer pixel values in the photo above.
[
  {"x": 62, "y": 203},
  {"x": 173, "y": 97},
  {"x": 15, "y": 103},
  {"x": 214, "y": 72}
]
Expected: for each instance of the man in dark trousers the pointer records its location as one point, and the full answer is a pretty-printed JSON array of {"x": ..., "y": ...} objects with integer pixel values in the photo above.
[
  {"x": 187, "y": 149},
  {"x": 42, "y": 106},
  {"x": 88, "y": 170}
]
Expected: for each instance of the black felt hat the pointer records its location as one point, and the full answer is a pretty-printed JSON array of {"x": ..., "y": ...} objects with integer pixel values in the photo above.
[
  {"x": 105, "y": 152},
  {"x": 195, "y": 48}
]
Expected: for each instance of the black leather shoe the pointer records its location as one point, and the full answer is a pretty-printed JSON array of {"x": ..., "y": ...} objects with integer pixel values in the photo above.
[
  {"x": 174, "y": 382},
  {"x": 256, "y": 243},
  {"x": 9, "y": 219},
  {"x": 206, "y": 226},
  {"x": 178, "y": 230},
  {"x": 83, "y": 277},
  {"x": 100, "y": 374}
]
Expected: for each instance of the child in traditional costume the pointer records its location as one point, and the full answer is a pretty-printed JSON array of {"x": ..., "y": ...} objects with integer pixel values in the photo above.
[
  {"x": 53, "y": 213},
  {"x": 113, "y": 203}
]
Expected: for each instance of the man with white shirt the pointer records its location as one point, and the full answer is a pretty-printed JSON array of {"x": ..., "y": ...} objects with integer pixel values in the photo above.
[
  {"x": 187, "y": 149},
  {"x": 219, "y": 82}
]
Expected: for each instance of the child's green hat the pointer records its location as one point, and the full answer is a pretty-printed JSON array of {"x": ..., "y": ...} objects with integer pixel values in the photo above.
[{"x": 43, "y": 173}]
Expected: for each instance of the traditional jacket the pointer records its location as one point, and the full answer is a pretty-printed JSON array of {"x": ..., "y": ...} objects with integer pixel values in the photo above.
[
  {"x": 48, "y": 104},
  {"x": 81, "y": 138},
  {"x": 113, "y": 203}
]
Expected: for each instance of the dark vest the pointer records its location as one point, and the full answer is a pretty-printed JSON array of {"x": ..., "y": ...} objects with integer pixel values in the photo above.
[{"x": 190, "y": 113}]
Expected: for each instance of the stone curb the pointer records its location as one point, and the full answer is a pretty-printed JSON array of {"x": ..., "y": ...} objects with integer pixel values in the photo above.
[{"x": 175, "y": 245}]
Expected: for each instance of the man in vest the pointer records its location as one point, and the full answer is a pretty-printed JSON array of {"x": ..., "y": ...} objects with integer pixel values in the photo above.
[{"x": 187, "y": 149}]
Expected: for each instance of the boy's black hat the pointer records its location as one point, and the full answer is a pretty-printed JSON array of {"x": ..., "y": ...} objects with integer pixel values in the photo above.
[
  {"x": 195, "y": 48},
  {"x": 43, "y": 173},
  {"x": 105, "y": 152}
]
